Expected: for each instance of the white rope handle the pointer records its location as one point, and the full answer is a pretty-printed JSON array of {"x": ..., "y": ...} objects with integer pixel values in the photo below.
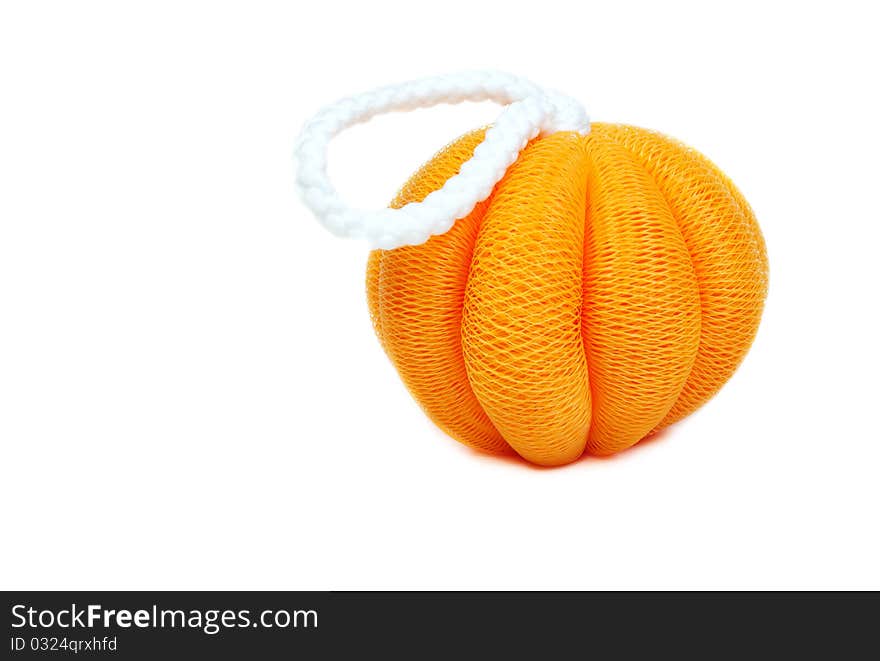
[{"x": 530, "y": 111}]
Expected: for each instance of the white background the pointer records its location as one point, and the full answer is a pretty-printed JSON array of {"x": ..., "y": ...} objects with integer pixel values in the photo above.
[{"x": 191, "y": 395}]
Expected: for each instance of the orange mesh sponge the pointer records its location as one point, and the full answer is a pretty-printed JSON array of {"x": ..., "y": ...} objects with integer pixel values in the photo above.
[{"x": 608, "y": 287}]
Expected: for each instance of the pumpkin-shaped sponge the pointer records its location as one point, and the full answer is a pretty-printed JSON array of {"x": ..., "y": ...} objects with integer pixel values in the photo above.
[{"x": 608, "y": 287}]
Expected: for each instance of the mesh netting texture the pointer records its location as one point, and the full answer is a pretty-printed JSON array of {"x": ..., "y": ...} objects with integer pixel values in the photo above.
[{"x": 608, "y": 287}]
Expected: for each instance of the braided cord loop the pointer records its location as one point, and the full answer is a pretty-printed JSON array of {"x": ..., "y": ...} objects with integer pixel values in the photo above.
[{"x": 529, "y": 111}]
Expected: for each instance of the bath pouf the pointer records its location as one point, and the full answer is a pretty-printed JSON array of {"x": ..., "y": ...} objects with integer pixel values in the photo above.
[{"x": 605, "y": 283}]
